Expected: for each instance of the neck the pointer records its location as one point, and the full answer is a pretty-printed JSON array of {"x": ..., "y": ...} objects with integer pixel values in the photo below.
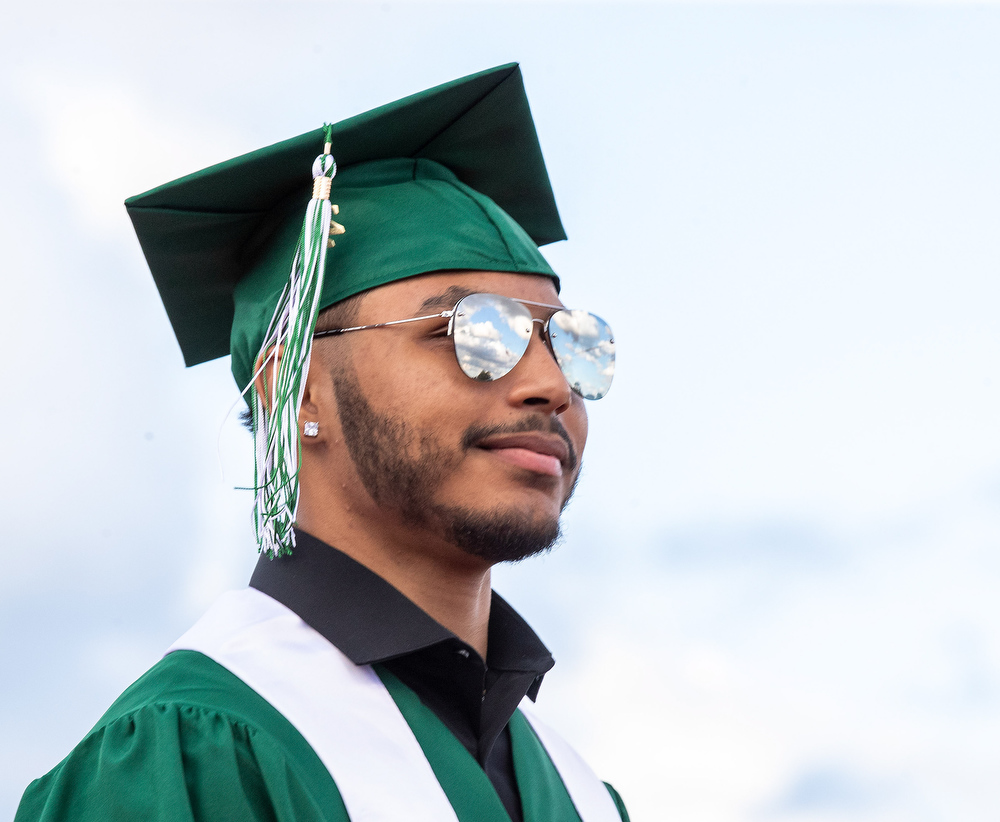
[{"x": 451, "y": 586}]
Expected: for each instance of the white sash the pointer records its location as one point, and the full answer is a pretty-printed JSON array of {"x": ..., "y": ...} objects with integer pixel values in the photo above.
[
  {"x": 589, "y": 794},
  {"x": 348, "y": 717}
]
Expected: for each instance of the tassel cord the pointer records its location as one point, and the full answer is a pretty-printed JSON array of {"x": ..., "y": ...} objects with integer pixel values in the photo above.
[{"x": 286, "y": 351}]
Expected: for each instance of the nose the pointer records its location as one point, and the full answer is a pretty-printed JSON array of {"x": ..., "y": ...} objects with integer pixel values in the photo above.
[{"x": 537, "y": 379}]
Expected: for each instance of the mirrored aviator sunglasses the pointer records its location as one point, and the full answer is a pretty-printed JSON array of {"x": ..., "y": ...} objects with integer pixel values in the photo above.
[{"x": 491, "y": 334}]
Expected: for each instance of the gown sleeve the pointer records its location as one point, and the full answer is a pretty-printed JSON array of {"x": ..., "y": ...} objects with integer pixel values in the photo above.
[{"x": 177, "y": 763}]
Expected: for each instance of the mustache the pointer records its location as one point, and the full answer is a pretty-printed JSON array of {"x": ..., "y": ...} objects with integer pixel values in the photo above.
[{"x": 545, "y": 425}]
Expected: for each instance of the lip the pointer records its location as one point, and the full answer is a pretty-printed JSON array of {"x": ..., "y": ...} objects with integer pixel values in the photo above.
[{"x": 536, "y": 452}]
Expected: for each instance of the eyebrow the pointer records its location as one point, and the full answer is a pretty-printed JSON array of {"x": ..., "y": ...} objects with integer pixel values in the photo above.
[{"x": 446, "y": 299}]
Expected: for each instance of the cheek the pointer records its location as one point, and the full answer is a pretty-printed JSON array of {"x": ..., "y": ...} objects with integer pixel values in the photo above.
[
  {"x": 416, "y": 388},
  {"x": 384, "y": 374},
  {"x": 576, "y": 423}
]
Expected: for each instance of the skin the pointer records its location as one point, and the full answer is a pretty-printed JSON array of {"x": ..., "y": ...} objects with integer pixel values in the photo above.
[{"x": 409, "y": 374}]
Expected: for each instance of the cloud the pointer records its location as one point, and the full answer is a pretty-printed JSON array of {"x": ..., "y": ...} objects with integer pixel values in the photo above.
[
  {"x": 833, "y": 788},
  {"x": 105, "y": 141}
]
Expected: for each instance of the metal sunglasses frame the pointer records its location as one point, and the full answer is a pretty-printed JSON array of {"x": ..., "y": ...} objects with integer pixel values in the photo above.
[{"x": 450, "y": 315}]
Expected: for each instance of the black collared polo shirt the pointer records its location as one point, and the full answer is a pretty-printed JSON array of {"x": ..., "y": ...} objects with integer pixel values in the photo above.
[{"x": 372, "y": 623}]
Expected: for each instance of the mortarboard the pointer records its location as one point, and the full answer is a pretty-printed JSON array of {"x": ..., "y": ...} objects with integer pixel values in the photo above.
[
  {"x": 205, "y": 233},
  {"x": 450, "y": 178}
]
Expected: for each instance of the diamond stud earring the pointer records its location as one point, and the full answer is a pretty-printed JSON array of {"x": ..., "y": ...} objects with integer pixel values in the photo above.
[{"x": 310, "y": 429}]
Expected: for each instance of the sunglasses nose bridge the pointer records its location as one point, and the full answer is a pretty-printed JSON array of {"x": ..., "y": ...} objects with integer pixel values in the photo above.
[
  {"x": 543, "y": 333},
  {"x": 544, "y": 339}
]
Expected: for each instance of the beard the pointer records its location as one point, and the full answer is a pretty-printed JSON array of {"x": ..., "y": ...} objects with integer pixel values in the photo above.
[{"x": 402, "y": 470}]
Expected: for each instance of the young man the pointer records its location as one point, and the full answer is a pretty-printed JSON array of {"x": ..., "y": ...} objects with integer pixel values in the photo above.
[{"x": 418, "y": 395}]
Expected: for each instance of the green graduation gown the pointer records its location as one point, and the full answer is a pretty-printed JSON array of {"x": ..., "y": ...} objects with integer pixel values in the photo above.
[{"x": 190, "y": 740}]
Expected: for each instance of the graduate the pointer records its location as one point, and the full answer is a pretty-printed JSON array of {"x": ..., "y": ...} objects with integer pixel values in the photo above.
[{"x": 417, "y": 393}]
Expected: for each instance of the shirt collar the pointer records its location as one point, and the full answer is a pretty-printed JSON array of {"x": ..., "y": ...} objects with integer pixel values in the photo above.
[{"x": 371, "y": 621}]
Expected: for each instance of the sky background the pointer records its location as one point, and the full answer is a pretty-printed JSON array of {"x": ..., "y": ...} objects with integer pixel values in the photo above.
[{"x": 776, "y": 597}]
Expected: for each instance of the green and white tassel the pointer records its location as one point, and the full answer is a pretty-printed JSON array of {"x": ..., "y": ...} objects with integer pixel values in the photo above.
[{"x": 289, "y": 336}]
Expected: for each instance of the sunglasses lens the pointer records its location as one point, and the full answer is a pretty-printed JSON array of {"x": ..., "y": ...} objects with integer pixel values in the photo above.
[
  {"x": 491, "y": 334},
  {"x": 585, "y": 350}
]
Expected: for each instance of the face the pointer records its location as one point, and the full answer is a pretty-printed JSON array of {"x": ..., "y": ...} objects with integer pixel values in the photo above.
[{"x": 485, "y": 465}]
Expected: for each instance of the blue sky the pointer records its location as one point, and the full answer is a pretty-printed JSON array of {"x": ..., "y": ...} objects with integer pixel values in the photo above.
[{"x": 775, "y": 597}]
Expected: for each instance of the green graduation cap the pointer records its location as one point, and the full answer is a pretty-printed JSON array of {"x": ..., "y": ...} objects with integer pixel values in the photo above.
[
  {"x": 422, "y": 184},
  {"x": 447, "y": 179}
]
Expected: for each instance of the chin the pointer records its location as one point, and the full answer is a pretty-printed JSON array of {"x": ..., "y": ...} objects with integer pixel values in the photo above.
[{"x": 500, "y": 536}]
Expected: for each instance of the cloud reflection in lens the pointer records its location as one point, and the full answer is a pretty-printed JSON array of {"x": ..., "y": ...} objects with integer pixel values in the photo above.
[
  {"x": 491, "y": 334},
  {"x": 584, "y": 347}
]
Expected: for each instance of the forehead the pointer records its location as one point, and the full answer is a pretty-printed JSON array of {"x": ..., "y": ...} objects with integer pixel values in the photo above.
[{"x": 440, "y": 291}]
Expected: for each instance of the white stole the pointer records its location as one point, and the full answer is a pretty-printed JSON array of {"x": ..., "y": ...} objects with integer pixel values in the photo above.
[{"x": 348, "y": 717}]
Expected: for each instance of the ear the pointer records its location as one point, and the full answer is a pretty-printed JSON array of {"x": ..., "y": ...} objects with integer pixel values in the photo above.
[
  {"x": 266, "y": 368},
  {"x": 313, "y": 400},
  {"x": 318, "y": 402}
]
